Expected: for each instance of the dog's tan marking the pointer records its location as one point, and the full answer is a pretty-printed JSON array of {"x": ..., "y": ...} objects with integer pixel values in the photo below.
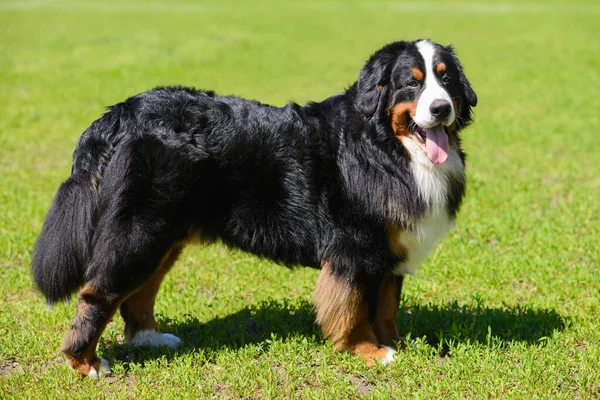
[
  {"x": 338, "y": 305},
  {"x": 138, "y": 309},
  {"x": 440, "y": 68},
  {"x": 343, "y": 316},
  {"x": 400, "y": 114},
  {"x": 417, "y": 74},
  {"x": 363, "y": 342},
  {"x": 86, "y": 357}
]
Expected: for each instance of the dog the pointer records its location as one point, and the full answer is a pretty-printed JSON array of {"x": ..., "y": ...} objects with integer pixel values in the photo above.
[{"x": 361, "y": 186}]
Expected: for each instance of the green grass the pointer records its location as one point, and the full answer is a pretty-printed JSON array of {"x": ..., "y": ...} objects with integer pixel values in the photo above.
[{"x": 507, "y": 306}]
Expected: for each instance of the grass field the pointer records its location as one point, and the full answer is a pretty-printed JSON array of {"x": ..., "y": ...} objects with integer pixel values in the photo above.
[{"x": 506, "y": 307}]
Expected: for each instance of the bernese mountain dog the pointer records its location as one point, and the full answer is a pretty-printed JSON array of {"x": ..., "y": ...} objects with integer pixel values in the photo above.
[{"x": 360, "y": 186}]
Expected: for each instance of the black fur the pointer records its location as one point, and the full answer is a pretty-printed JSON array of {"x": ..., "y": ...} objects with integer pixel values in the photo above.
[
  {"x": 62, "y": 249},
  {"x": 297, "y": 185}
]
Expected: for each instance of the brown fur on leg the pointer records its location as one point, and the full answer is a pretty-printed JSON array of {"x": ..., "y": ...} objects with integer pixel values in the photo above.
[
  {"x": 343, "y": 316},
  {"x": 389, "y": 301},
  {"x": 94, "y": 311},
  {"x": 138, "y": 309}
]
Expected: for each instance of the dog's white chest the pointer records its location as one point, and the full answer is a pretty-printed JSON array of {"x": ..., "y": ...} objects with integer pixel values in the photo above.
[
  {"x": 433, "y": 182},
  {"x": 419, "y": 242}
]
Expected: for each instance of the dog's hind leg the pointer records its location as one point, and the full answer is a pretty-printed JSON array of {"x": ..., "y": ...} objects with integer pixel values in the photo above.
[
  {"x": 105, "y": 291},
  {"x": 138, "y": 310},
  {"x": 141, "y": 215},
  {"x": 95, "y": 308},
  {"x": 127, "y": 256}
]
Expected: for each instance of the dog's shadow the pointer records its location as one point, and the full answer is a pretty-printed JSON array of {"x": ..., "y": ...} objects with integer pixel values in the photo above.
[{"x": 437, "y": 325}]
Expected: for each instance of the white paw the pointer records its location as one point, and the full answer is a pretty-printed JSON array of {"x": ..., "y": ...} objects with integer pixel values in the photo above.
[
  {"x": 389, "y": 357},
  {"x": 171, "y": 340},
  {"x": 104, "y": 369},
  {"x": 151, "y": 338}
]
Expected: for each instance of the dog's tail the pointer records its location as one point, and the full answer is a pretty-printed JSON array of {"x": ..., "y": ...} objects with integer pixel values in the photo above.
[{"x": 63, "y": 248}]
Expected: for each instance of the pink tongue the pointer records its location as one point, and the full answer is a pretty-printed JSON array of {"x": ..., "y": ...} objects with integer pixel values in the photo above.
[{"x": 437, "y": 144}]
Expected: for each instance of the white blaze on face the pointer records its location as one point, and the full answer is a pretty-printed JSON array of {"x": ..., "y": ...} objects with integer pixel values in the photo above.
[{"x": 432, "y": 90}]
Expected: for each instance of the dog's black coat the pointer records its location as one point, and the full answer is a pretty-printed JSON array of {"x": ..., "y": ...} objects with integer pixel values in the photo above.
[{"x": 298, "y": 185}]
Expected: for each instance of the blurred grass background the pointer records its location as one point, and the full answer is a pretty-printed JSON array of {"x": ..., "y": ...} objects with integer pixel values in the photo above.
[{"x": 507, "y": 306}]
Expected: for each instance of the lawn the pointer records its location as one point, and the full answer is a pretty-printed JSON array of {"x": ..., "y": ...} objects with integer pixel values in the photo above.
[{"x": 506, "y": 307}]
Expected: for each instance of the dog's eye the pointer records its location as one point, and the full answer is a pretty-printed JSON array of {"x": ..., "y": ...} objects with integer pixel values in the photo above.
[
  {"x": 413, "y": 84},
  {"x": 446, "y": 79}
]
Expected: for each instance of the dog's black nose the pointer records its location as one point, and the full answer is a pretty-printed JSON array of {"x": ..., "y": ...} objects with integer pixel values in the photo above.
[{"x": 440, "y": 109}]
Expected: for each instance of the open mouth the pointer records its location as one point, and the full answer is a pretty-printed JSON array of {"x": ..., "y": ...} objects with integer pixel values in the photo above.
[
  {"x": 417, "y": 131},
  {"x": 435, "y": 140}
]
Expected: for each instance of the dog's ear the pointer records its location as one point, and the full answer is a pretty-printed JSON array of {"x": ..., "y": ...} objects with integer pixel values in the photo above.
[
  {"x": 371, "y": 85},
  {"x": 465, "y": 85}
]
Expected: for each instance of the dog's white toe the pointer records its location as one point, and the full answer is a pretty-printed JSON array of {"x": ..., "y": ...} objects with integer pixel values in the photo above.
[
  {"x": 104, "y": 369},
  {"x": 171, "y": 340},
  {"x": 389, "y": 357},
  {"x": 151, "y": 338}
]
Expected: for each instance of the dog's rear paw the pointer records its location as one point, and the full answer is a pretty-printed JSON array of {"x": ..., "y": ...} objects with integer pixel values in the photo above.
[
  {"x": 102, "y": 369},
  {"x": 171, "y": 340},
  {"x": 94, "y": 370},
  {"x": 151, "y": 338}
]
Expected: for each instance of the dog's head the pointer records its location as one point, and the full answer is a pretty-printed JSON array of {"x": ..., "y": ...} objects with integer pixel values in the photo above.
[{"x": 419, "y": 89}]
